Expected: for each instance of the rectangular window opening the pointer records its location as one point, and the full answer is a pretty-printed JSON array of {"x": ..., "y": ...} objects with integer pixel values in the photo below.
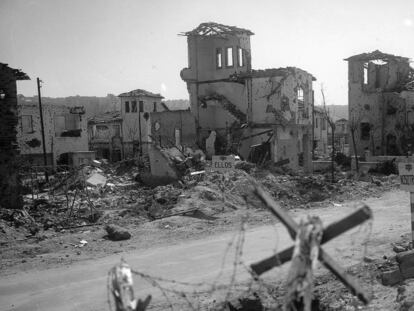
[
  {"x": 141, "y": 106},
  {"x": 229, "y": 57},
  {"x": 126, "y": 107},
  {"x": 134, "y": 106},
  {"x": 117, "y": 130},
  {"x": 219, "y": 57},
  {"x": 365, "y": 73},
  {"x": 240, "y": 57},
  {"x": 299, "y": 95},
  {"x": 155, "y": 107},
  {"x": 27, "y": 124},
  {"x": 365, "y": 131},
  {"x": 67, "y": 125}
]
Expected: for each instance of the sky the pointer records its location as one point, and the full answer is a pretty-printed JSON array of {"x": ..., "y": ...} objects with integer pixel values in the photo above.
[{"x": 97, "y": 47}]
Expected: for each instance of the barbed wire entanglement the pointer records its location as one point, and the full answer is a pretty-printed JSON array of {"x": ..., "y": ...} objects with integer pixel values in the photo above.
[{"x": 235, "y": 280}]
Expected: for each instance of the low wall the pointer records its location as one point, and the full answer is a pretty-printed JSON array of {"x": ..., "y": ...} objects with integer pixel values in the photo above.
[
  {"x": 322, "y": 165},
  {"x": 398, "y": 159},
  {"x": 372, "y": 162},
  {"x": 364, "y": 166}
]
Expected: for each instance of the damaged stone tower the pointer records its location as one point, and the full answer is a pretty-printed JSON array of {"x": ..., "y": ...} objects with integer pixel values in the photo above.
[
  {"x": 381, "y": 103},
  {"x": 262, "y": 115}
]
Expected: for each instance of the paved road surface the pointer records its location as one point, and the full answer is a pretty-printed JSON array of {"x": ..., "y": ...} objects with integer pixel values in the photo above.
[{"x": 82, "y": 286}]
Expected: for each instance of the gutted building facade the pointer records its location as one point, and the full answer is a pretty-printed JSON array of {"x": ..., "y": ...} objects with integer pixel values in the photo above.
[
  {"x": 247, "y": 110},
  {"x": 9, "y": 179},
  {"x": 173, "y": 128},
  {"x": 105, "y": 135},
  {"x": 381, "y": 103},
  {"x": 136, "y": 107},
  {"x": 65, "y": 132},
  {"x": 320, "y": 132}
]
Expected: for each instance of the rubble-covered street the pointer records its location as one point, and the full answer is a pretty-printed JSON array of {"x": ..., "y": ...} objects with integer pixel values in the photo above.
[
  {"x": 51, "y": 227},
  {"x": 206, "y": 155},
  {"x": 182, "y": 238}
]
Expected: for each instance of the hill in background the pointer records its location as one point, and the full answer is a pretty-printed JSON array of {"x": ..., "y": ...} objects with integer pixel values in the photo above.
[
  {"x": 177, "y": 104},
  {"x": 337, "y": 111}
]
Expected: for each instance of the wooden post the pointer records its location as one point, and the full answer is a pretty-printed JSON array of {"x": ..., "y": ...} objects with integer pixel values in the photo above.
[
  {"x": 293, "y": 228},
  {"x": 412, "y": 218},
  {"x": 333, "y": 230},
  {"x": 299, "y": 285},
  {"x": 406, "y": 172},
  {"x": 121, "y": 287}
]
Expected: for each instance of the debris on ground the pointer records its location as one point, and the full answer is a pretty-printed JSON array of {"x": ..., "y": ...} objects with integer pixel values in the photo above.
[{"x": 116, "y": 233}]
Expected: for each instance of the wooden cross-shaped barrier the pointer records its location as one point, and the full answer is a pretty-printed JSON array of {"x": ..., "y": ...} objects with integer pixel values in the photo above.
[{"x": 335, "y": 229}]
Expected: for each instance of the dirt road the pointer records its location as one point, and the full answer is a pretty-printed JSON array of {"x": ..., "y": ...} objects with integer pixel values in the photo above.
[{"x": 83, "y": 286}]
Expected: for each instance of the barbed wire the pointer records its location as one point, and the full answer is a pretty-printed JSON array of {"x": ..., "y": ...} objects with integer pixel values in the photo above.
[{"x": 190, "y": 293}]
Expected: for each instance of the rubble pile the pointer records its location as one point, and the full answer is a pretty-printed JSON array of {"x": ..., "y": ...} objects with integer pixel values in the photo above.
[{"x": 106, "y": 193}]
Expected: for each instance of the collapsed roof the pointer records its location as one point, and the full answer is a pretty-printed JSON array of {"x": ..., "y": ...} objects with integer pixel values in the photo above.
[
  {"x": 377, "y": 55},
  {"x": 106, "y": 117},
  {"x": 140, "y": 92},
  {"x": 215, "y": 29},
  {"x": 272, "y": 72},
  {"x": 18, "y": 74}
]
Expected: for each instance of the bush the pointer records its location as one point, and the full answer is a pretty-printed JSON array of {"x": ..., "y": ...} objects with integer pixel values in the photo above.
[
  {"x": 343, "y": 160},
  {"x": 386, "y": 168}
]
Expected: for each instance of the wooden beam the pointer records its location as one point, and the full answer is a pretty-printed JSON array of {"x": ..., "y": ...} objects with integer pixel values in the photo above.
[
  {"x": 333, "y": 230},
  {"x": 329, "y": 263}
]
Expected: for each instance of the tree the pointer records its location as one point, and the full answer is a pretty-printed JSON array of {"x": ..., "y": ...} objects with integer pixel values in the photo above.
[
  {"x": 332, "y": 126},
  {"x": 353, "y": 127}
]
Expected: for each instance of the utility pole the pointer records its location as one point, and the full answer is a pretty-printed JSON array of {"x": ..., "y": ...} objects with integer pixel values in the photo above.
[
  {"x": 42, "y": 128},
  {"x": 140, "y": 105}
]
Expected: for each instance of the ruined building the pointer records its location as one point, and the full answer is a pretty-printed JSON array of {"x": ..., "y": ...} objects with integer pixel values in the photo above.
[
  {"x": 320, "y": 132},
  {"x": 105, "y": 135},
  {"x": 259, "y": 114},
  {"x": 381, "y": 103},
  {"x": 9, "y": 180},
  {"x": 65, "y": 133},
  {"x": 136, "y": 107}
]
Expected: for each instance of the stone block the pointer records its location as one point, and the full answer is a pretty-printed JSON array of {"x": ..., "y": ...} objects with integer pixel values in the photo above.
[{"x": 392, "y": 277}]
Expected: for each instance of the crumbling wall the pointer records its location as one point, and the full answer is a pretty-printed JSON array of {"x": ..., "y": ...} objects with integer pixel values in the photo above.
[
  {"x": 275, "y": 98},
  {"x": 131, "y": 123},
  {"x": 106, "y": 140},
  {"x": 375, "y": 101},
  {"x": 169, "y": 126},
  {"x": 10, "y": 196},
  {"x": 30, "y": 141},
  {"x": 320, "y": 132},
  {"x": 203, "y": 79},
  {"x": 202, "y": 51}
]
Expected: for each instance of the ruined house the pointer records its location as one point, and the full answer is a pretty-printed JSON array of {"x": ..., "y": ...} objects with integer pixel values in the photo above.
[
  {"x": 259, "y": 114},
  {"x": 105, "y": 135},
  {"x": 173, "y": 128},
  {"x": 342, "y": 136},
  {"x": 136, "y": 107},
  {"x": 65, "y": 133},
  {"x": 9, "y": 179},
  {"x": 320, "y": 132},
  {"x": 381, "y": 103}
]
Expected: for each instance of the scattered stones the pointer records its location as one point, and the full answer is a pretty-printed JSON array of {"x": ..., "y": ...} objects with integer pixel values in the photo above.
[
  {"x": 406, "y": 263},
  {"x": 368, "y": 259},
  {"x": 116, "y": 233},
  {"x": 392, "y": 277},
  {"x": 398, "y": 249}
]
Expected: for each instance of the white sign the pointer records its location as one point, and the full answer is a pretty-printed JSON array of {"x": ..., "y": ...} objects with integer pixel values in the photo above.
[
  {"x": 406, "y": 172},
  {"x": 222, "y": 163}
]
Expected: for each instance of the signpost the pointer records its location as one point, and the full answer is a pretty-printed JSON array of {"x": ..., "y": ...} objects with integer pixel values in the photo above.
[
  {"x": 222, "y": 163},
  {"x": 406, "y": 171}
]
